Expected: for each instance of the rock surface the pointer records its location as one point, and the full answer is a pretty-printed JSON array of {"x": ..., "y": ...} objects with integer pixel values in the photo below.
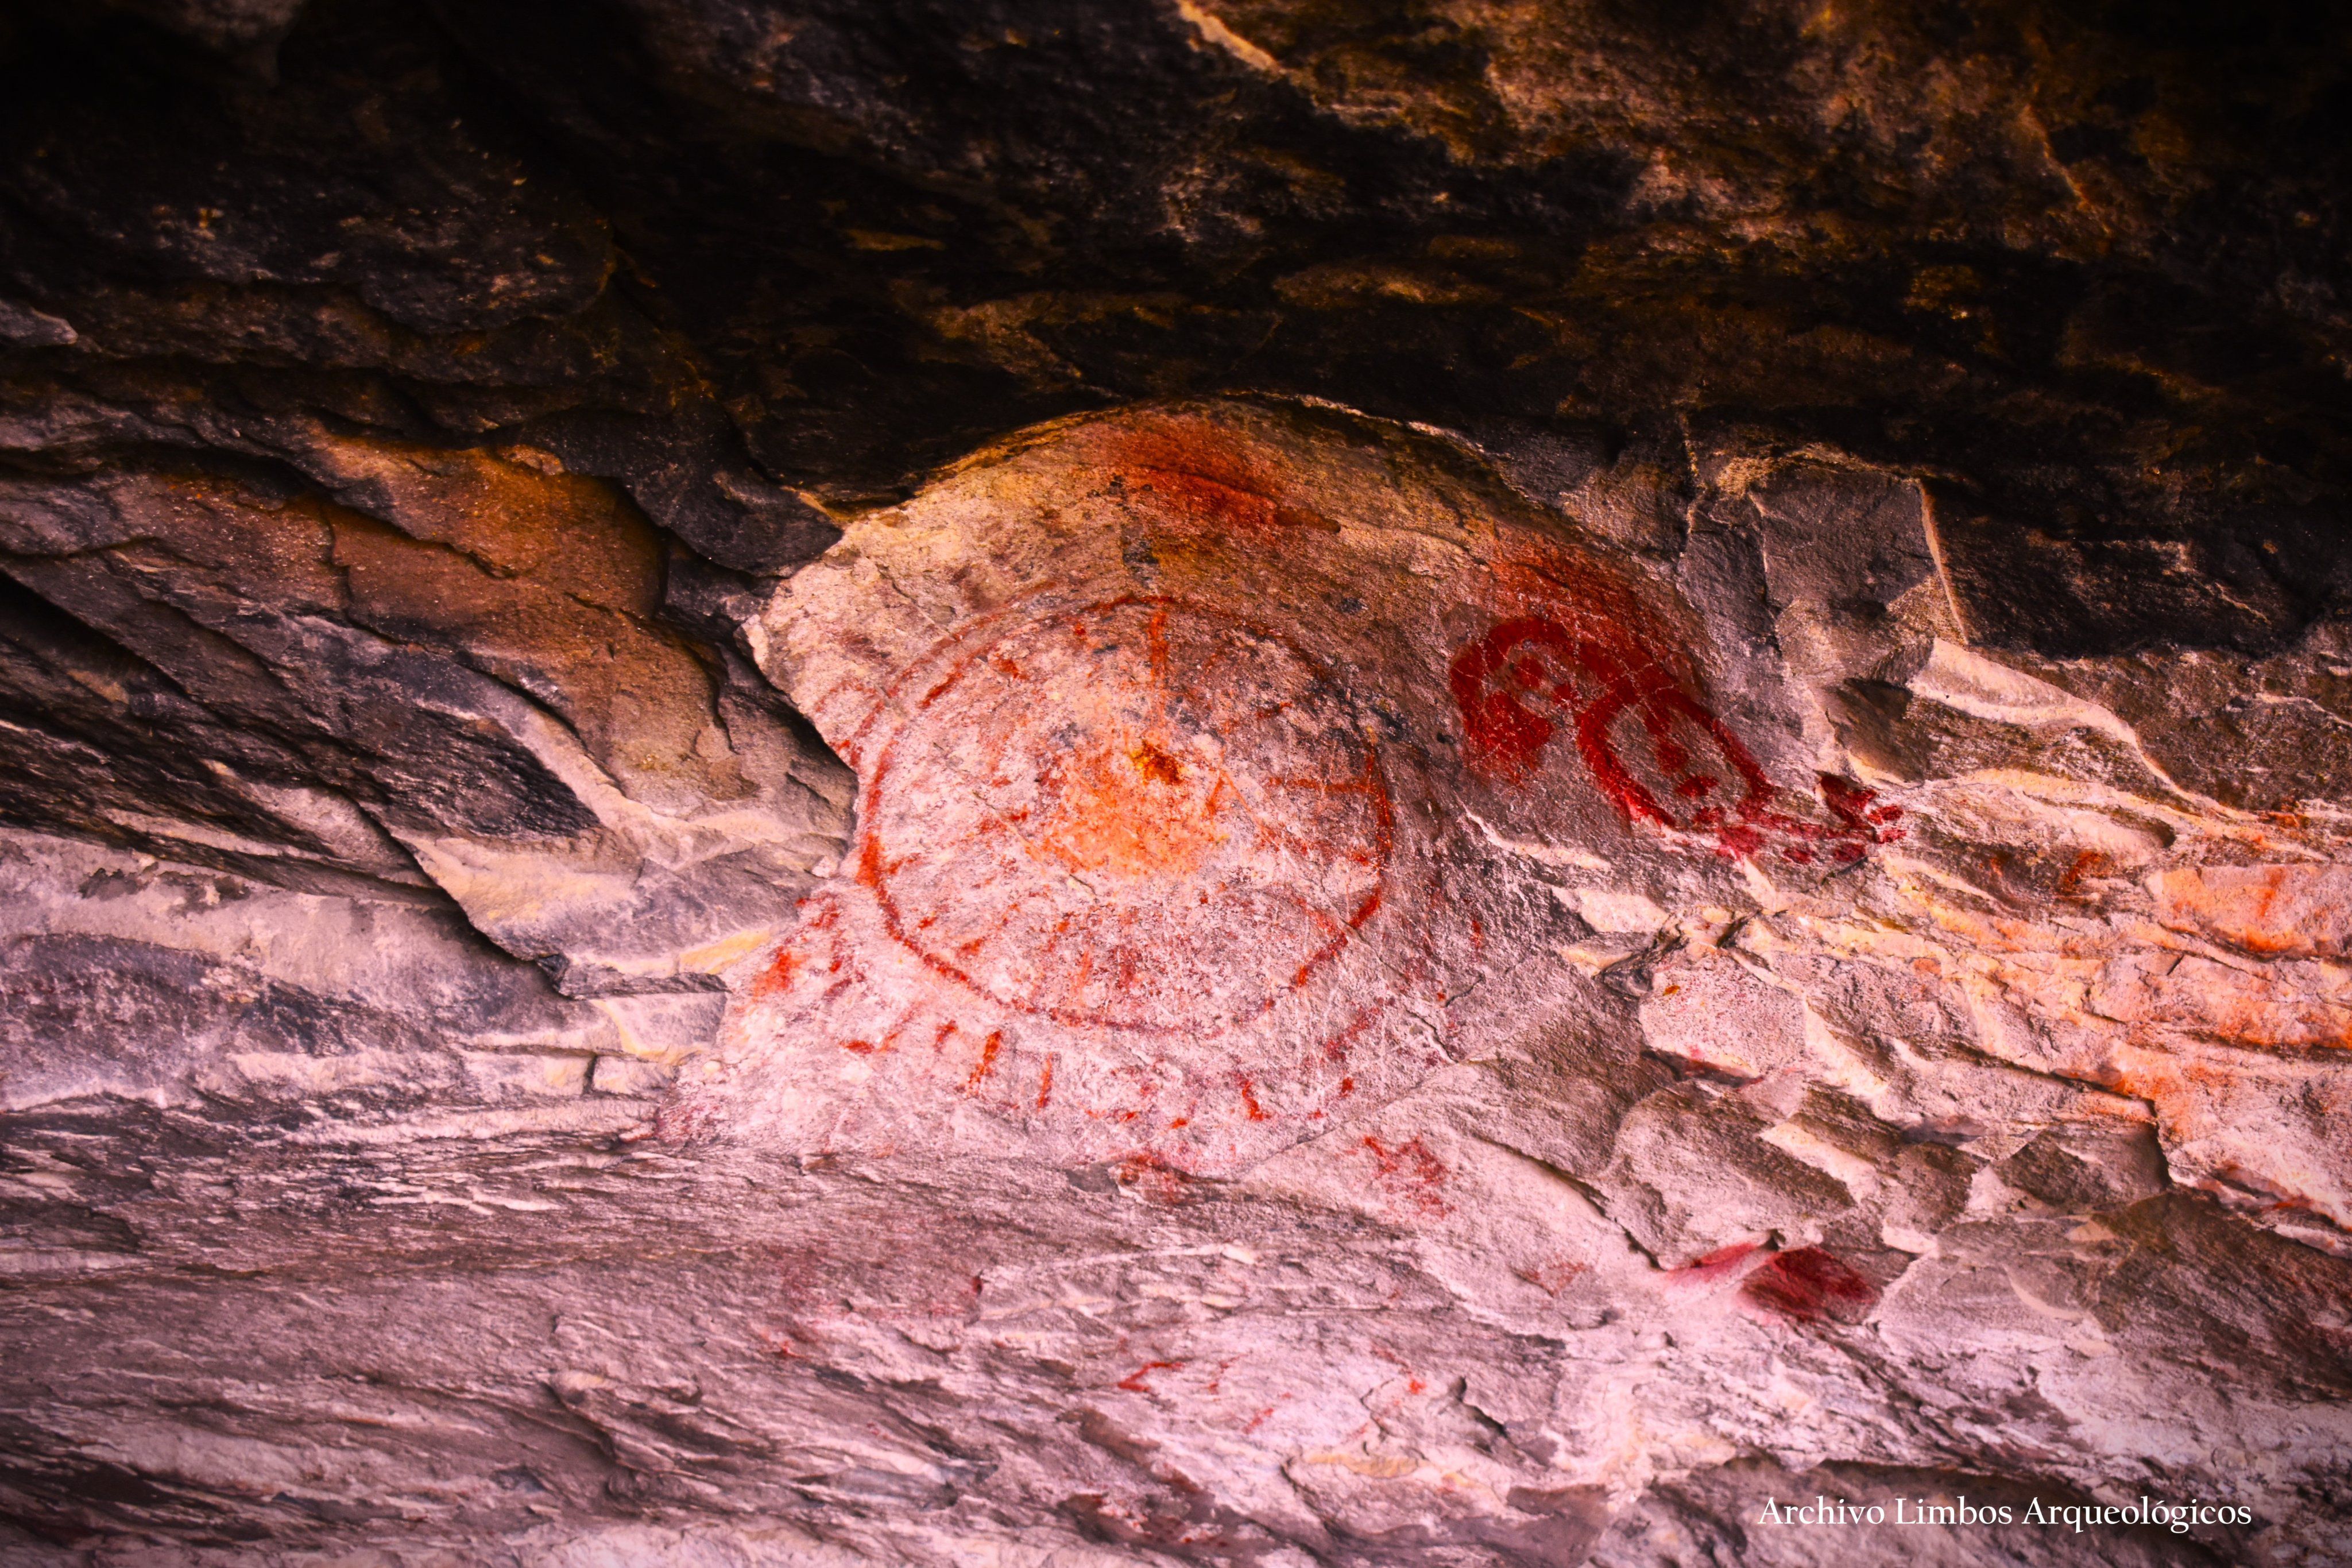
[{"x": 1461, "y": 785}]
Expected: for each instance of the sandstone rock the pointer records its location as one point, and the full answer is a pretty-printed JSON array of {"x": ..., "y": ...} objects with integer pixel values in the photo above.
[{"x": 1240, "y": 782}]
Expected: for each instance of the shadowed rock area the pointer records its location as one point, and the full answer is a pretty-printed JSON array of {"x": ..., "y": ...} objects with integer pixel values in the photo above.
[{"x": 1266, "y": 783}]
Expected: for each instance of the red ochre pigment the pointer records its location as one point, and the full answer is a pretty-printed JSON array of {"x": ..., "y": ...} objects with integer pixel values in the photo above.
[
  {"x": 1158, "y": 844},
  {"x": 1809, "y": 1285},
  {"x": 1164, "y": 822},
  {"x": 1528, "y": 676}
]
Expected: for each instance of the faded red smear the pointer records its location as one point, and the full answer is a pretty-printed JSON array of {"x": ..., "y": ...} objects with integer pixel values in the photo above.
[
  {"x": 678, "y": 1122},
  {"x": 1249, "y": 1102},
  {"x": 1336, "y": 1048},
  {"x": 1808, "y": 1286},
  {"x": 1553, "y": 1275},
  {"x": 988, "y": 1050},
  {"x": 1212, "y": 482},
  {"x": 1134, "y": 1381},
  {"x": 2087, "y": 864},
  {"x": 1411, "y": 1175},
  {"x": 1152, "y": 1179},
  {"x": 779, "y": 976},
  {"x": 1723, "y": 1260},
  {"x": 1861, "y": 820},
  {"x": 1046, "y": 1085},
  {"x": 816, "y": 939}
]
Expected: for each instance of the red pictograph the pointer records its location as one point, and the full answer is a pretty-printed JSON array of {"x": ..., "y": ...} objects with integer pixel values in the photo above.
[
  {"x": 1145, "y": 814},
  {"x": 1156, "y": 860},
  {"x": 1654, "y": 749}
]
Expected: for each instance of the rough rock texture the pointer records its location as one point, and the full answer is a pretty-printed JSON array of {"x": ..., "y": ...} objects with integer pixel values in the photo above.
[{"x": 1248, "y": 782}]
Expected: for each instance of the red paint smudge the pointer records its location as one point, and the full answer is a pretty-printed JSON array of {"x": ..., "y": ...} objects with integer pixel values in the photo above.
[
  {"x": 1809, "y": 1285},
  {"x": 1149, "y": 1178},
  {"x": 1249, "y": 1102},
  {"x": 1552, "y": 1275},
  {"x": 2087, "y": 862},
  {"x": 1715, "y": 1265},
  {"x": 1134, "y": 1381},
  {"x": 1046, "y": 1085},
  {"x": 685, "y": 1123},
  {"x": 1211, "y": 483},
  {"x": 1852, "y": 804},
  {"x": 1335, "y": 1047},
  {"x": 988, "y": 1050},
  {"x": 1410, "y": 1173},
  {"x": 779, "y": 977},
  {"x": 1155, "y": 639}
]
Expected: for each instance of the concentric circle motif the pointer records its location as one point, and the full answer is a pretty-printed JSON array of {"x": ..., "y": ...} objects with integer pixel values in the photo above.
[{"x": 1144, "y": 815}]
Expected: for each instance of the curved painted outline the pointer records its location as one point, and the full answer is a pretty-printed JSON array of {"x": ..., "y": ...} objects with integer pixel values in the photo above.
[{"x": 873, "y": 872}]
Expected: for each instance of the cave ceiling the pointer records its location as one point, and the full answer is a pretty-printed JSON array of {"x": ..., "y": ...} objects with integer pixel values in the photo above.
[{"x": 1057, "y": 784}]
